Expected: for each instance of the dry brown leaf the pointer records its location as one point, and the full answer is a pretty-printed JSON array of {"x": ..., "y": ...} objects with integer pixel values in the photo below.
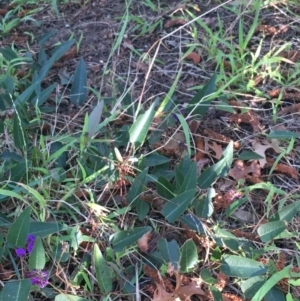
[
  {"x": 240, "y": 169},
  {"x": 247, "y": 118},
  {"x": 180, "y": 293},
  {"x": 193, "y": 56},
  {"x": 231, "y": 297},
  {"x": 69, "y": 55},
  {"x": 175, "y": 22},
  {"x": 200, "y": 151},
  {"x": 174, "y": 146},
  {"x": 290, "y": 109},
  {"x": 143, "y": 242},
  {"x": 216, "y": 148},
  {"x": 261, "y": 149},
  {"x": 220, "y": 138},
  {"x": 194, "y": 125}
]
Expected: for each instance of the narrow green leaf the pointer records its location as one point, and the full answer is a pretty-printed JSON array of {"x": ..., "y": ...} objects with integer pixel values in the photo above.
[
  {"x": 205, "y": 207},
  {"x": 138, "y": 131},
  {"x": 175, "y": 207},
  {"x": 126, "y": 238},
  {"x": 164, "y": 188},
  {"x": 237, "y": 266},
  {"x": 24, "y": 96},
  {"x": 95, "y": 118},
  {"x": 193, "y": 222},
  {"x": 170, "y": 251},
  {"x": 43, "y": 95},
  {"x": 282, "y": 135},
  {"x": 137, "y": 186},
  {"x": 270, "y": 230},
  {"x": 186, "y": 132},
  {"x": 216, "y": 293},
  {"x": 16, "y": 290},
  {"x": 34, "y": 193},
  {"x": 102, "y": 271},
  {"x": 198, "y": 99},
  {"x": 220, "y": 169},
  {"x": 37, "y": 259},
  {"x": 252, "y": 285},
  {"x": 17, "y": 233},
  {"x": 79, "y": 86},
  {"x": 247, "y": 155},
  {"x": 142, "y": 208},
  {"x": 189, "y": 256},
  {"x": 207, "y": 277},
  {"x": 287, "y": 213},
  {"x": 57, "y": 54},
  {"x": 66, "y": 297},
  {"x": 272, "y": 281},
  {"x": 43, "y": 229},
  {"x": 190, "y": 180},
  {"x": 20, "y": 136}
]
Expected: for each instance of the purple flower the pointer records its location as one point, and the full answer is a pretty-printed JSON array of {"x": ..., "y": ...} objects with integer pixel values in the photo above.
[
  {"x": 30, "y": 242},
  {"x": 20, "y": 252},
  {"x": 38, "y": 277}
]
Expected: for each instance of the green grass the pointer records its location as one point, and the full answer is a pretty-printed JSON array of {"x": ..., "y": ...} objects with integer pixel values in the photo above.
[{"x": 108, "y": 173}]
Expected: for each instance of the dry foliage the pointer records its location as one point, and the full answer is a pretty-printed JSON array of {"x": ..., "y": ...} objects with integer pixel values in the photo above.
[
  {"x": 175, "y": 22},
  {"x": 193, "y": 56},
  {"x": 143, "y": 242},
  {"x": 241, "y": 169},
  {"x": 249, "y": 118},
  {"x": 220, "y": 138}
]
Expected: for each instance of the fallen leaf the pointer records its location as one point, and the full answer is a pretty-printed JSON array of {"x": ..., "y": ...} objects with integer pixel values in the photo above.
[
  {"x": 143, "y": 242},
  {"x": 261, "y": 149},
  {"x": 193, "y": 56},
  {"x": 245, "y": 216},
  {"x": 240, "y": 169},
  {"x": 247, "y": 118},
  {"x": 220, "y": 138},
  {"x": 283, "y": 169},
  {"x": 200, "y": 149},
  {"x": 216, "y": 148},
  {"x": 194, "y": 125},
  {"x": 175, "y": 22},
  {"x": 140, "y": 66},
  {"x": 3, "y": 11}
]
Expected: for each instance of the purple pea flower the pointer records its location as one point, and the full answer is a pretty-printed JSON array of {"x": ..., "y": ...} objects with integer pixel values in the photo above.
[
  {"x": 30, "y": 243},
  {"x": 38, "y": 277},
  {"x": 20, "y": 252}
]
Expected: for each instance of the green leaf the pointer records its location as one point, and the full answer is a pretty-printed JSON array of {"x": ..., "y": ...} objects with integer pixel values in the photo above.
[
  {"x": 19, "y": 134},
  {"x": 237, "y": 266},
  {"x": 8, "y": 54},
  {"x": 205, "y": 207},
  {"x": 282, "y": 135},
  {"x": 270, "y": 283},
  {"x": 57, "y": 54},
  {"x": 247, "y": 155},
  {"x": 37, "y": 259},
  {"x": 170, "y": 251},
  {"x": 16, "y": 290},
  {"x": 216, "y": 293},
  {"x": 17, "y": 233},
  {"x": 142, "y": 208},
  {"x": 208, "y": 89},
  {"x": 43, "y": 229},
  {"x": 137, "y": 187},
  {"x": 189, "y": 256},
  {"x": 287, "y": 213},
  {"x": 252, "y": 285},
  {"x": 164, "y": 188},
  {"x": 155, "y": 159},
  {"x": 190, "y": 180},
  {"x": 175, "y": 207},
  {"x": 193, "y": 222},
  {"x": 219, "y": 169},
  {"x": 138, "y": 131},
  {"x": 95, "y": 118},
  {"x": 186, "y": 132},
  {"x": 102, "y": 271},
  {"x": 43, "y": 96},
  {"x": 66, "y": 297},
  {"x": 277, "y": 294},
  {"x": 22, "y": 98},
  {"x": 4, "y": 220},
  {"x": 269, "y": 231},
  {"x": 126, "y": 238},
  {"x": 207, "y": 277},
  {"x": 79, "y": 86}
]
